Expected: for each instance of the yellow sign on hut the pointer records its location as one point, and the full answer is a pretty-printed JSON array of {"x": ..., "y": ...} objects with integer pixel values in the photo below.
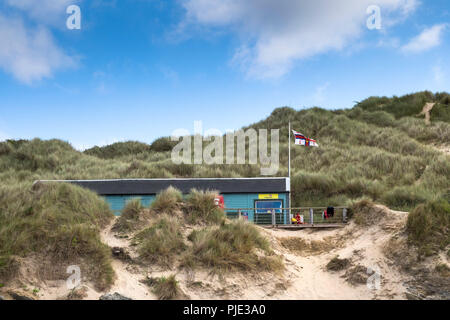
[{"x": 268, "y": 196}]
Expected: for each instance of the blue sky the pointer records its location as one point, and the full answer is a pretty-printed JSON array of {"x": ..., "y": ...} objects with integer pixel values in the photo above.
[{"x": 139, "y": 69}]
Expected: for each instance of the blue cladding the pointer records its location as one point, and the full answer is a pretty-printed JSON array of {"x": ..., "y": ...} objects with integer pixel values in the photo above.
[
  {"x": 117, "y": 203},
  {"x": 232, "y": 200},
  {"x": 248, "y": 201}
]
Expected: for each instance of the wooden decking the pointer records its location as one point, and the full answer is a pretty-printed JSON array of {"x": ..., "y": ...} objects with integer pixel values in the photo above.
[{"x": 305, "y": 226}]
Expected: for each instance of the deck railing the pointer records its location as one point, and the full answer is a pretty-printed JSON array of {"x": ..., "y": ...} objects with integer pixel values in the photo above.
[{"x": 283, "y": 216}]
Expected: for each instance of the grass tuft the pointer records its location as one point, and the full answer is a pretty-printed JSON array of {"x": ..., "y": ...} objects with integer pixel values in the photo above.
[
  {"x": 428, "y": 226},
  {"x": 201, "y": 207},
  {"x": 129, "y": 218},
  {"x": 160, "y": 242},
  {"x": 233, "y": 246},
  {"x": 167, "y": 200},
  {"x": 366, "y": 213},
  {"x": 132, "y": 209},
  {"x": 165, "y": 288},
  {"x": 443, "y": 270},
  {"x": 337, "y": 264}
]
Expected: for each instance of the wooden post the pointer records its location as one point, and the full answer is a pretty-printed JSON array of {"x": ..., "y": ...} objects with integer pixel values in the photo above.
[
  {"x": 274, "y": 220},
  {"x": 344, "y": 215},
  {"x": 239, "y": 214},
  {"x": 311, "y": 215}
]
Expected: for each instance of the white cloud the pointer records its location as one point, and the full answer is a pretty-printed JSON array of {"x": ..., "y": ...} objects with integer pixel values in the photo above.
[
  {"x": 275, "y": 34},
  {"x": 389, "y": 43},
  {"x": 29, "y": 55},
  {"x": 427, "y": 39},
  {"x": 28, "y": 51},
  {"x": 48, "y": 12}
]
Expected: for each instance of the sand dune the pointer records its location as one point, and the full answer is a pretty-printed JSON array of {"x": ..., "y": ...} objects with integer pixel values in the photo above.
[{"x": 305, "y": 277}]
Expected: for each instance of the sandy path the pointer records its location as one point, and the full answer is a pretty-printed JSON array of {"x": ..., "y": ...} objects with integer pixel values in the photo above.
[
  {"x": 427, "y": 111},
  {"x": 445, "y": 149},
  {"x": 128, "y": 282},
  {"x": 310, "y": 279}
]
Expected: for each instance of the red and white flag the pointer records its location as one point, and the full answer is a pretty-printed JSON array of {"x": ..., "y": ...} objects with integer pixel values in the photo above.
[{"x": 301, "y": 140}]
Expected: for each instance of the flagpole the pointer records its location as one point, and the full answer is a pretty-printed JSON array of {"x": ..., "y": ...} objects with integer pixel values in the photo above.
[
  {"x": 289, "y": 161},
  {"x": 289, "y": 174}
]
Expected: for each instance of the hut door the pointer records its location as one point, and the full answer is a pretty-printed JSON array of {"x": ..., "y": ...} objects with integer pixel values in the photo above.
[{"x": 263, "y": 211}]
